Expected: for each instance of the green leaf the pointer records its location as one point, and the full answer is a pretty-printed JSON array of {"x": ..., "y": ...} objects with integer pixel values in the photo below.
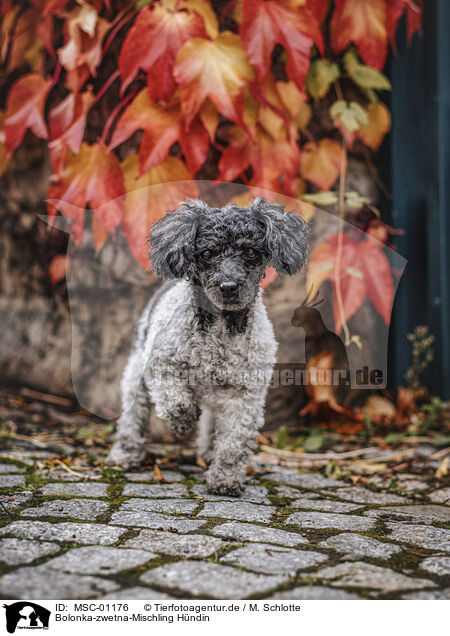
[
  {"x": 394, "y": 438},
  {"x": 282, "y": 437},
  {"x": 441, "y": 440},
  {"x": 321, "y": 198},
  {"x": 364, "y": 76},
  {"x": 321, "y": 75},
  {"x": 351, "y": 115},
  {"x": 313, "y": 442}
]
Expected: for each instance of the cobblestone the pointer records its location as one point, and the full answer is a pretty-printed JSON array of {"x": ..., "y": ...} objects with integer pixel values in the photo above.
[
  {"x": 87, "y": 509},
  {"x": 441, "y": 496},
  {"x": 138, "y": 594},
  {"x": 366, "y": 575},
  {"x": 357, "y": 545},
  {"x": 79, "y": 489},
  {"x": 270, "y": 559},
  {"x": 325, "y": 505},
  {"x": 10, "y": 468},
  {"x": 170, "y": 475},
  {"x": 436, "y": 565},
  {"x": 363, "y": 495},
  {"x": 19, "y": 551},
  {"x": 252, "y": 494},
  {"x": 155, "y": 490},
  {"x": 11, "y": 481},
  {"x": 182, "y": 545},
  {"x": 210, "y": 580},
  {"x": 305, "y": 480},
  {"x": 423, "y": 536},
  {"x": 252, "y": 532},
  {"x": 417, "y": 514},
  {"x": 170, "y": 506},
  {"x": 89, "y": 533},
  {"x": 313, "y": 593},
  {"x": 237, "y": 510},
  {"x": 41, "y": 582},
  {"x": 99, "y": 560},
  {"x": 320, "y": 520},
  {"x": 156, "y": 521},
  {"x": 156, "y": 539}
]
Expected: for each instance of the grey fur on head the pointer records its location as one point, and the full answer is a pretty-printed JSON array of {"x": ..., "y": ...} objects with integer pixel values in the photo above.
[
  {"x": 213, "y": 324},
  {"x": 172, "y": 238}
]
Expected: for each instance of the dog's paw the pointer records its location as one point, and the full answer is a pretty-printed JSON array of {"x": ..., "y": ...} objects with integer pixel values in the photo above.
[
  {"x": 218, "y": 485},
  {"x": 118, "y": 456},
  {"x": 229, "y": 491}
]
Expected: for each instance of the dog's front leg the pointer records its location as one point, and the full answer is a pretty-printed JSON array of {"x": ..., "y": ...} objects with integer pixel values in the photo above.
[
  {"x": 237, "y": 422},
  {"x": 177, "y": 404},
  {"x": 132, "y": 431}
]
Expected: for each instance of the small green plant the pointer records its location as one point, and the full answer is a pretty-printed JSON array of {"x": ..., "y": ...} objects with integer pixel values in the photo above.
[
  {"x": 368, "y": 427},
  {"x": 422, "y": 354}
]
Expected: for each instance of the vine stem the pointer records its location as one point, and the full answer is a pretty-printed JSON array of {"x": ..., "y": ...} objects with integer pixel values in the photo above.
[
  {"x": 113, "y": 115},
  {"x": 337, "y": 269},
  {"x": 106, "y": 85}
]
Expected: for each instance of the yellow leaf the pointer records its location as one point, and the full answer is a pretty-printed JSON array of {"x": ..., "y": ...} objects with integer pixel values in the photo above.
[
  {"x": 321, "y": 162},
  {"x": 217, "y": 69},
  {"x": 378, "y": 125}
]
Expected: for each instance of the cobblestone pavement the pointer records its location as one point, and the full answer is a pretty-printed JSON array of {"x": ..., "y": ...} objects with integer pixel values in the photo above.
[
  {"x": 109, "y": 534},
  {"x": 71, "y": 529}
]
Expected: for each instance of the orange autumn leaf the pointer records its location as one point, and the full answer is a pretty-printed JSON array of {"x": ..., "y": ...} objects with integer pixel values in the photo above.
[
  {"x": 274, "y": 162},
  {"x": 25, "y": 109},
  {"x": 91, "y": 177},
  {"x": 378, "y": 126},
  {"x": 216, "y": 69},
  {"x": 146, "y": 201},
  {"x": 362, "y": 22},
  {"x": 162, "y": 126},
  {"x": 82, "y": 51},
  {"x": 321, "y": 162},
  {"x": 265, "y": 24},
  {"x": 58, "y": 268},
  {"x": 152, "y": 45},
  {"x": 67, "y": 122}
]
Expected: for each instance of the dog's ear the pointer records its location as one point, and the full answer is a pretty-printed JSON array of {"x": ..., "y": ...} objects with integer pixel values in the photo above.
[
  {"x": 285, "y": 236},
  {"x": 172, "y": 240}
]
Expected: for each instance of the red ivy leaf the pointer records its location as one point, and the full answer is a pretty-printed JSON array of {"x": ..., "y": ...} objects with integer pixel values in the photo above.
[
  {"x": 25, "y": 109},
  {"x": 92, "y": 177},
  {"x": 67, "y": 122},
  {"x": 265, "y": 24},
  {"x": 362, "y": 22},
  {"x": 152, "y": 44},
  {"x": 319, "y": 9},
  {"x": 395, "y": 10},
  {"x": 364, "y": 272},
  {"x": 147, "y": 200},
  {"x": 274, "y": 162},
  {"x": 163, "y": 126}
]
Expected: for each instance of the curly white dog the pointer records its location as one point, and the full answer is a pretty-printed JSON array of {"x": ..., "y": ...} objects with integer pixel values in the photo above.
[{"x": 205, "y": 348}]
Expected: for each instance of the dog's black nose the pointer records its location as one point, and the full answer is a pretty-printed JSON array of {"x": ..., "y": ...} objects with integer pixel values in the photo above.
[{"x": 228, "y": 288}]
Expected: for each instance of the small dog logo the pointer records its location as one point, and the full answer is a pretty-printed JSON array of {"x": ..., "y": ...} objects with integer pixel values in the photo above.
[{"x": 26, "y": 615}]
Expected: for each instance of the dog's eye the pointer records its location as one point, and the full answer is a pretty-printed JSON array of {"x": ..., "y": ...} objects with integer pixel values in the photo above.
[
  {"x": 206, "y": 255},
  {"x": 251, "y": 253}
]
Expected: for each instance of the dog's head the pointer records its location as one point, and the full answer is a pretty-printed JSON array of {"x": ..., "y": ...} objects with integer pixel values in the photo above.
[{"x": 226, "y": 250}]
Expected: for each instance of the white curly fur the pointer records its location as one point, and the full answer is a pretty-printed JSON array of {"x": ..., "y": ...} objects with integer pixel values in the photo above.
[{"x": 231, "y": 416}]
